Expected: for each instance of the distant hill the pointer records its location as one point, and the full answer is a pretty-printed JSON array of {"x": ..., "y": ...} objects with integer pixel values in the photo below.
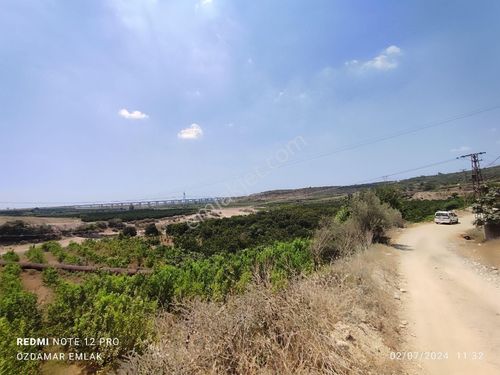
[
  {"x": 441, "y": 184},
  {"x": 491, "y": 174}
]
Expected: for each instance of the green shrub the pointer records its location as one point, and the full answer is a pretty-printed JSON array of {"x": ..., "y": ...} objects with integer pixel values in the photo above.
[
  {"x": 365, "y": 219},
  {"x": 151, "y": 230},
  {"x": 50, "y": 276},
  {"x": 487, "y": 207},
  {"x": 116, "y": 223},
  {"x": 217, "y": 276},
  {"x": 35, "y": 254},
  {"x": 421, "y": 210},
  {"x": 19, "y": 317},
  {"x": 18, "y": 230},
  {"x": 129, "y": 231},
  {"x": 391, "y": 195},
  {"x": 372, "y": 216},
  {"x": 103, "y": 306},
  {"x": 10, "y": 256}
]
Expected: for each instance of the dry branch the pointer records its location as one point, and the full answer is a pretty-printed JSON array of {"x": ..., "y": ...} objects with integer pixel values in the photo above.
[{"x": 76, "y": 268}]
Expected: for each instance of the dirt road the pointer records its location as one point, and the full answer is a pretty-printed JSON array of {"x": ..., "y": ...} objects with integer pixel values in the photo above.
[{"x": 450, "y": 308}]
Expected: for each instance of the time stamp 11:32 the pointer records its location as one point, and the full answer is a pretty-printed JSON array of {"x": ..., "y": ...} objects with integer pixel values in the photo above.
[{"x": 435, "y": 356}]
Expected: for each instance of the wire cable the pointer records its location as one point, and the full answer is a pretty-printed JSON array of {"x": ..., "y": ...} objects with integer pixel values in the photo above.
[{"x": 350, "y": 147}]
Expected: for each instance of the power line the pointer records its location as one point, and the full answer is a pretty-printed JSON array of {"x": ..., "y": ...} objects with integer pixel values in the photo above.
[
  {"x": 493, "y": 162},
  {"x": 314, "y": 157},
  {"x": 371, "y": 141},
  {"x": 409, "y": 170},
  {"x": 354, "y": 146},
  {"x": 375, "y": 179},
  {"x": 397, "y": 134},
  {"x": 384, "y": 177}
]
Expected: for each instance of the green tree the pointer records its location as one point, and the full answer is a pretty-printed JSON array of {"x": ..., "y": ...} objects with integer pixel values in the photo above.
[
  {"x": 487, "y": 210},
  {"x": 151, "y": 230},
  {"x": 391, "y": 195},
  {"x": 129, "y": 231}
]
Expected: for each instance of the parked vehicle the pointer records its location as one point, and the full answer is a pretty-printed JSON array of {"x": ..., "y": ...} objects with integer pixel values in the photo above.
[{"x": 445, "y": 217}]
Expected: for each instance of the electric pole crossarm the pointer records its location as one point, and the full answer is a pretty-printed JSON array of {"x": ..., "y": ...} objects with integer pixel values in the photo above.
[{"x": 476, "y": 175}]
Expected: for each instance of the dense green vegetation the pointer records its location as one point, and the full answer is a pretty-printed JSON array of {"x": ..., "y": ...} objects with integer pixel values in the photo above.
[
  {"x": 124, "y": 306},
  {"x": 488, "y": 207},
  {"x": 35, "y": 255},
  {"x": 417, "y": 210},
  {"x": 218, "y": 258},
  {"x": 113, "y": 252},
  {"x": 241, "y": 232},
  {"x": 18, "y": 230},
  {"x": 137, "y": 214},
  {"x": 103, "y": 306},
  {"x": 19, "y": 317},
  {"x": 10, "y": 256},
  {"x": 216, "y": 276},
  {"x": 447, "y": 179},
  {"x": 104, "y": 214},
  {"x": 420, "y": 210}
]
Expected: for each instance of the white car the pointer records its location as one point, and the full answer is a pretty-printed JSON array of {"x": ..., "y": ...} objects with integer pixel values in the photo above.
[{"x": 445, "y": 217}]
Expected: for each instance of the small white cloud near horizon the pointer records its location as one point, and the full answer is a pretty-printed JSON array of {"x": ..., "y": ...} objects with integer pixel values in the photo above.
[
  {"x": 460, "y": 149},
  {"x": 194, "y": 131},
  {"x": 386, "y": 60},
  {"x": 134, "y": 115}
]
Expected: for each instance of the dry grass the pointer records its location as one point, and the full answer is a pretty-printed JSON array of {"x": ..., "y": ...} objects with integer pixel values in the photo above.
[{"x": 339, "y": 321}]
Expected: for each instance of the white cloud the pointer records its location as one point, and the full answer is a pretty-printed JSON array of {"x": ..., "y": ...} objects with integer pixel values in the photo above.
[
  {"x": 203, "y": 4},
  {"x": 460, "y": 149},
  {"x": 386, "y": 60},
  {"x": 135, "y": 15},
  {"x": 192, "y": 132},
  {"x": 134, "y": 115},
  {"x": 393, "y": 50}
]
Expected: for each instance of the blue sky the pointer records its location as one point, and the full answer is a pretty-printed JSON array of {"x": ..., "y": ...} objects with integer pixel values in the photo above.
[{"x": 113, "y": 99}]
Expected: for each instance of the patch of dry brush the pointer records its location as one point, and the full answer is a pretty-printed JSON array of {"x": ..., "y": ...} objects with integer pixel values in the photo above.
[{"x": 341, "y": 320}]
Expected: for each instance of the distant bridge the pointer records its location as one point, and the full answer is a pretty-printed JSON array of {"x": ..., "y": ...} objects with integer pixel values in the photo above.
[{"x": 149, "y": 203}]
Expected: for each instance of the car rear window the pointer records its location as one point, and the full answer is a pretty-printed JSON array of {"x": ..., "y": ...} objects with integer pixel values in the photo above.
[{"x": 442, "y": 214}]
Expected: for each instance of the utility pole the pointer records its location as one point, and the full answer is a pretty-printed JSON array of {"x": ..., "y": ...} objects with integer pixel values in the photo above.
[
  {"x": 476, "y": 176},
  {"x": 465, "y": 177}
]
